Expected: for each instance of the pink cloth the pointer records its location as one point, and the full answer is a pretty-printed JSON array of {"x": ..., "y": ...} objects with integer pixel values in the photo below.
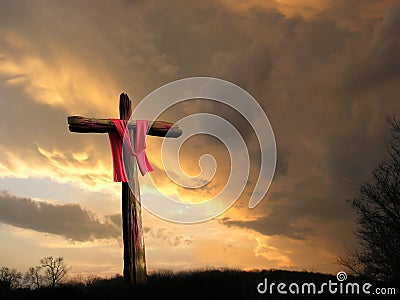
[{"x": 116, "y": 138}]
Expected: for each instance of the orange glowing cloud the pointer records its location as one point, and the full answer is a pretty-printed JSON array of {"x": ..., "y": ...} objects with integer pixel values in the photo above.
[
  {"x": 63, "y": 80},
  {"x": 289, "y": 8}
]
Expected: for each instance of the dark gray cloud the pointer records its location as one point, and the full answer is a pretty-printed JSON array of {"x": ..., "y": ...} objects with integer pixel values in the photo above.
[
  {"x": 380, "y": 64},
  {"x": 168, "y": 236},
  {"x": 116, "y": 219},
  {"x": 70, "y": 220},
  {"x": 273, "y": 225}
]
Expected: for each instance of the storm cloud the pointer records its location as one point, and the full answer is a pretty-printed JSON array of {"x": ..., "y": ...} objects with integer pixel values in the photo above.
[{"x": 70, "y": 220}]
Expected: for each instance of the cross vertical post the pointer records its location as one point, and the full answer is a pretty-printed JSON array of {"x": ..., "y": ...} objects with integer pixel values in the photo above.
[
  {"x": 134, "y": 251},
  {"x": 132, "y": 233}
]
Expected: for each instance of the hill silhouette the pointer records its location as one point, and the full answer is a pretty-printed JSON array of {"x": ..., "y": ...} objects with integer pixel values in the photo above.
[{"x": 206, "y": 284}]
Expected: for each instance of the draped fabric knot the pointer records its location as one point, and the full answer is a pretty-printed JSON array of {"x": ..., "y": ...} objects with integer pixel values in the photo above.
[{"x": 121, "y": 137}]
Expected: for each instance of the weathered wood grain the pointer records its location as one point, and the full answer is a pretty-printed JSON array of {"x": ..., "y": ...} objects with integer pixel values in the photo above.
[{"x": 93, "y": 125}]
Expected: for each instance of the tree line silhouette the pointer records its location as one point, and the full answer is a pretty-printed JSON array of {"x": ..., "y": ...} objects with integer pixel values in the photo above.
[{"x": 49, "y": 273}]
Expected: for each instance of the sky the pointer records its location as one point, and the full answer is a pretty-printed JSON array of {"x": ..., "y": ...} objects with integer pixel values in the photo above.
[{"x": 326, "y": 73}]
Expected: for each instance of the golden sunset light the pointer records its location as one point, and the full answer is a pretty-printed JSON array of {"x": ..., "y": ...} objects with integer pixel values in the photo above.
[{"x": 326, "y": 74}]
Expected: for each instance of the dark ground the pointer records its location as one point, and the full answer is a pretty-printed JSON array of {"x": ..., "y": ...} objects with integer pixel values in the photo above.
[{"x": 210, "y": 284}]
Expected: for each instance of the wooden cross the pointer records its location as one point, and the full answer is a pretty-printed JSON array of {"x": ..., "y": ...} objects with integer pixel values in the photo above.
[{"x": 134, "y": 251}]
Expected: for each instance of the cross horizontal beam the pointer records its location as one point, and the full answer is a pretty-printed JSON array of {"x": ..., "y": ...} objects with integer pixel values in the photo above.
[{"x": 92, "y": 125}]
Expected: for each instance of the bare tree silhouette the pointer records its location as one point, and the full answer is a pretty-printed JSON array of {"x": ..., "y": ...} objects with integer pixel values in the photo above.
[
  {"x": 33, "y": 277},
  {"x": 9, "y": 278},
  {"x": 378, "y": 211},
  {"x": 55, "y": 269}
]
